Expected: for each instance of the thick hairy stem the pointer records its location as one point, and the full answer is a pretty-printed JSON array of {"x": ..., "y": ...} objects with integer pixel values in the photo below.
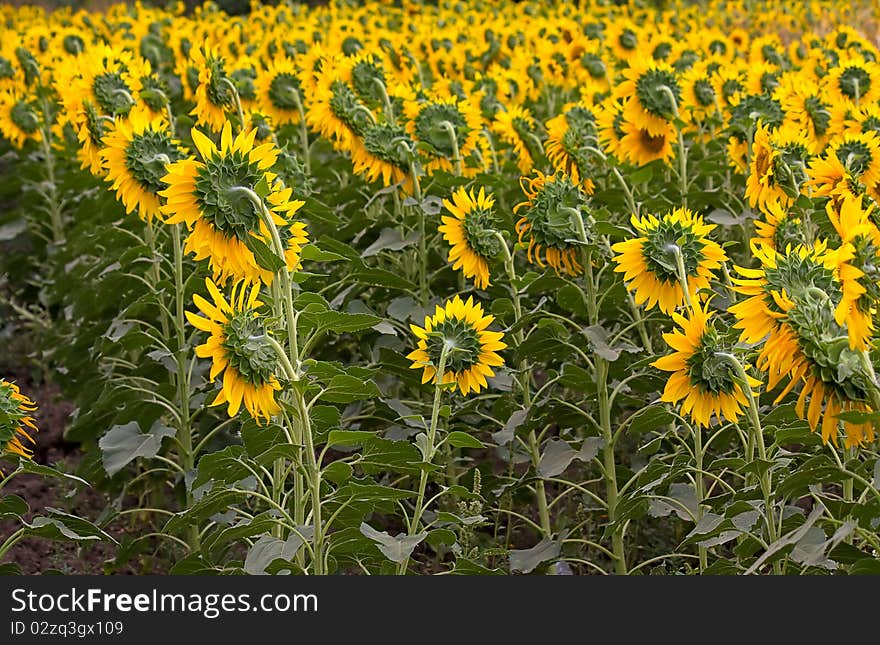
[
  {"x": 431, "y": 448},
  {"x": 184, "y": 432}
]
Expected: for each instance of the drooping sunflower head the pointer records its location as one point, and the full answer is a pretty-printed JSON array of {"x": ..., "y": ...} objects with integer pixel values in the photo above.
[
  {"x": 458, "y": 334},
  {"x": 16, "y": 420},
  {"x": 516, "y": 127},
  {"x": 136, "y": 154},
  {"x": 652, "y": 93},
  {"x": 858, "y": 269},
  {"x": 214, "y": 93},
  {"x": 446, "y": 126},
  {"x": 385, "y": 152},
  {"x": 368, "y": 78},
  {"x": 553, "y": 221},
  {"x": 701, "y": 377},
  {"x": 779, "y": 229},
  {"x": 238, "y": 349},
  {"x": 334, "y": 109},
  {"x": 109, "y": 78},
  {"x": 469, "y": 229},
  {"x": 279, "y": 92},
  {"x": 610, "y": 122},
  {"x": 779, "y": 165},
  {"x": 859, "y": 155},
  {"x": 567, "y": 137},
  {"x": 834, "y": 374},
  {"x": 20, "y": 117},
  {"x": 650, "y": 263},
  {"x": 221, "y": 199},
  {"x": 782, "y": 275}
]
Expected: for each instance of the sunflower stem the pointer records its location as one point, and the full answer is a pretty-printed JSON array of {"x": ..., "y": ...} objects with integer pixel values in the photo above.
[
  {"x": 758, "y": 433},
  {"x": 682, "y": 151},
  {"x": 675, "y": 250},
  {"x": 155, "y": 272},
  {"x": 431, "y": 448},
  {"x": 386, "y": 101},
  {"x": 236, "y": 100},
  {"x": 700, "y": 487},
  {"x": 609, "y": 462},
  {"x": 627, "y": 192},
  {"x": 524, "y": 382},
  {"x": 423, "y": 242},
  {"x": 456, "y": 152},
  {"x": 52, "y": 201},
  {"x": 184, "y": 434},
  {"x": 303, "y": 131}
]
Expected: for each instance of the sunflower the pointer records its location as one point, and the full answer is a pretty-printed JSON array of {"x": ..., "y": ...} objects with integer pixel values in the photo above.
[
  {"x": 548, "y": 221},
  {"x": 238, "y": 350},
  {"x": 213, "y": 95},
  {"x": 517, "y": 128},
  {"x": 779, "y": 228},
  {"x": 622, "y": 37},
  {"x": 471, "y": 348},
  {"x": 334, "y": 109},
  {"x": 567, "y": 136},
  {"x": 698, "y": 93},
  {"x": 384, "y": 152},
  {"x": 136, "y": 153},
  {"x": 640, "y": 147},
  {"x": 857, "y": 269},
  {"x": 651, "y": 93},
  {"x": 833, "y": 375},
  {"x": 432, "y": 123},
  {"x": 19, "y": 118},
  {"x": 778, "y": 166},
  {"x": 16, "y": 420},
  {"x": 279, "y": 92},
  {"x": 108, "y": 78},
  {"x": 859, "y": 154},
  {"x": 225, "y": 224},
  {"x": 649, "y": 263},
  {"x": 701, "y": 378},
  {"x": 769, "y": 290},
  {"x": 829, "y": 178},
  {"x": 609, "y": 122},
  {"x": 806, "y": 103},
  {"x": 469, "y": 231},
  {"x": 855, "y": 81}
]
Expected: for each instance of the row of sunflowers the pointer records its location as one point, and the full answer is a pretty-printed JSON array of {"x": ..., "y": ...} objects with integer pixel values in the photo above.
[{"x": 455, "y": 287}]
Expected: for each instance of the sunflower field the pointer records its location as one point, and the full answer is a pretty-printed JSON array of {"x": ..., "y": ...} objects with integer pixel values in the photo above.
[{"x": 442, "y": 288}]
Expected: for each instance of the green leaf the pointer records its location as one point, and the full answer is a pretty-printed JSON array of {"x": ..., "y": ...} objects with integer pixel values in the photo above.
[
  {"x": 263, "y": 254},
  {"x": 650, "y": 418},
  {"x": 125, "y": 443},
  {"x": 59, "y": 525},
  {"x": 340, "y": 322},
  {"x": 345, "y": 389},
  {"x": 28, "y": 466},
  {"x": 12, "y": 505},
  {"x": 262, "y": 188},
  {"x": 458, "y": 439},
  {"x": 268, "y": 549},
  {"x": 559, "y": 454},
  {"x": 396, "y": 548},
  {"x": 527, "y": 560},
  {"x": 349, "y": 437},
  {"x": 390, "y": 239},
  {"x": 338, "y": 472},
  {"x": 315, "y": 254},
  {"x": 380, "y": 278},
  {"x": 223, "y": 466},
  {"x": 572, "y": 300},
  {"x": 217, "y": 500},
  {"x": 865, "y": 567}
]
